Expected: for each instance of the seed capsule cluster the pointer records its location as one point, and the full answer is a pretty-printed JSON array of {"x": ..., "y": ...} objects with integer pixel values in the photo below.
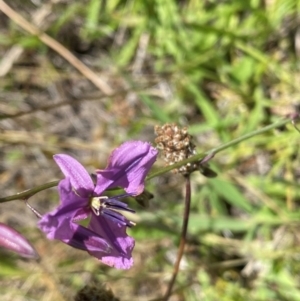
[{"x": 176, "y": 145}]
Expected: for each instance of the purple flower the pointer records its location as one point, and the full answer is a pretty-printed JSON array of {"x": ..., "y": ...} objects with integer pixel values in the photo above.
[
  {"x": 12, "y": 240},
  {"x": 105, "y": 236}
]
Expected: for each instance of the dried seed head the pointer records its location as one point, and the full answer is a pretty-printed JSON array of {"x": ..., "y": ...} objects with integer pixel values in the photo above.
[
  {"x": 91, "y": 292},
  {"x": 176, "y": 145}
]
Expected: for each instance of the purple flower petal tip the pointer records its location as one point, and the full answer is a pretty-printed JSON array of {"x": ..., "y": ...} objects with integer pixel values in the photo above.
[
  {"x": 120, "y": 256},
  {"x": 72, "y": 169},
  {"x": 12, "y": 240},
  {"x": 127, "y": 167}
]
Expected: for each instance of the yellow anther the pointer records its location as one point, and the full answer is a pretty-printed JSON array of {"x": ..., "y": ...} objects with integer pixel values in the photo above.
[{"x": 96, "y": 204}]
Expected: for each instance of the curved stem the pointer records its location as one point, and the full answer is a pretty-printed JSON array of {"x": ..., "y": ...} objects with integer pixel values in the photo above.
[
  {"x": 211, "y": 153},
  {"x": 182, "y": 236},
  {"x": 203, "y": 157},
  {"x": 28, "y": 193}
]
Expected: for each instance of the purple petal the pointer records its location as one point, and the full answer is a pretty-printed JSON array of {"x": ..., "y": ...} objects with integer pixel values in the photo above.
[
  {"x": 127, "y": 167},
  {"x": 68, "y": 198},
  {"x": 12, "y": 240},
  {"x": 79, "y": 177},
  {"x": 60, "y": 223},
  {"x": 80, "y": 237},
  {"x": 115, "y": 234},
  {"x": 72, "y": 207}
]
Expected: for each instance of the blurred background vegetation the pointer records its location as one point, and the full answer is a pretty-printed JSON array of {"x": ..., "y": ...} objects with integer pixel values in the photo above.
[{"x": 222, "y": 68}]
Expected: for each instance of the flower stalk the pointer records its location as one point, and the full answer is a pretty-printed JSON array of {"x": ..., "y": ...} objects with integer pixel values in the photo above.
[
  {"x": 187, "y": 206},
  {"x": 29, "y": 192},
  {"x": 202, "y": 156}
]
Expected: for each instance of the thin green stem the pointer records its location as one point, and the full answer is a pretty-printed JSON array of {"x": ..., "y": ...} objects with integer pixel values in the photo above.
[
  {"x": 28, "y": 193},
  {"x": 214, "y": 151},
  {"x": 203, "y": 156},
  {"x": 249, "y": 135}
]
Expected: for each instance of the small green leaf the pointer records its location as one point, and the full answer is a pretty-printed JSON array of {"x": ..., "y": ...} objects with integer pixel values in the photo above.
[{"x": 231, "y": 193}]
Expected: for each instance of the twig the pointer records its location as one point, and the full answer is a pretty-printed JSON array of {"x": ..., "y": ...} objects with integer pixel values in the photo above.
[
  {"x": 182, "y": 237},
  {"x": 39, "y": 18},
  {"x": 61, "y": 103},
  {"x": 29, "y": 192},
  {"x": 51, "y": 144},
  {"x": 141, "y": 54},
  {"x": 56, "y": 46}
]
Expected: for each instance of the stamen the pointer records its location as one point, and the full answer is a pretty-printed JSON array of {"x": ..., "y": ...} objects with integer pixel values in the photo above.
[
  {"x": 118, "y": 217},
  {"x": 110, "y": 207},
  {"x": 96, "y": 204},
  {"x": 115, "y": 204}
]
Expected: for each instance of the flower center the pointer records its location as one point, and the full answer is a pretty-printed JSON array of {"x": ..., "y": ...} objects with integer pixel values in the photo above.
[
  {"x": 96, "y": 204},
  {"x": 110, "y": 207}
]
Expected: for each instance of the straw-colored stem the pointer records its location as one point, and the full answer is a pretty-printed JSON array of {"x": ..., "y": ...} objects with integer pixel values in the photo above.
[
  {"x": 186, "y": 214},
  {"x": 56, "y": 46}
]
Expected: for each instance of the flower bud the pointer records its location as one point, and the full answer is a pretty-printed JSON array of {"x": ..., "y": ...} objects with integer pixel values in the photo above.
[{"x": 12, "y": 240}]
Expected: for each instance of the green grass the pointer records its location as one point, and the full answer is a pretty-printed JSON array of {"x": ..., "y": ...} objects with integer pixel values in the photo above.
[{"x": 221, "y": 68}]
